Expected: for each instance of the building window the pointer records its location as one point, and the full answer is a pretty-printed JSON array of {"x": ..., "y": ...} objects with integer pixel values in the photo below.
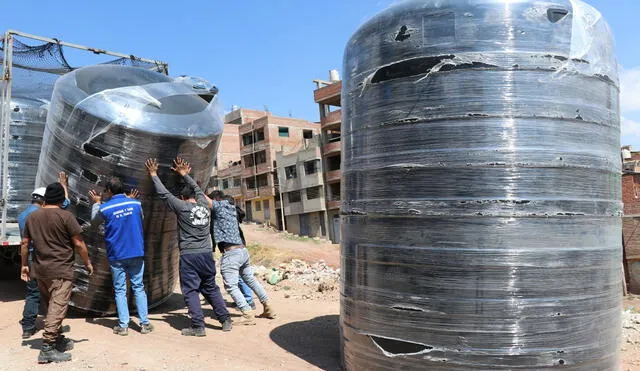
[
  {"x": 225, "y": 183},
  {"x": 248, "y": 161},
  {"x": 294, "y": 197},
  {"x": 333, "y": 136},
  {"x": 258, "y": 206},
  {"x": 261, "y": 157},
  {"x": 334, "y": 191},
  {"x": 307, "y": 134},
  {"x": 290, "y": 172},
  {"x": 313, "y": 193},
  {"x": 259, "y": 135},
  {"x": 333, "y": 163},
  {"x": 311, "y": 167},
  {"x": 263, "y": 180},
  {"x": 247, "y": 139},
  {"x": 250, "y": 183},
  {"x": 283, "y": 131},
  {"x": 236, "y": 182}
]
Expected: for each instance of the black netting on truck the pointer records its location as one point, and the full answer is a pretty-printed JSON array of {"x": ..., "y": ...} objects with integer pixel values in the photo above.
[{"x": 35, "y": 68}]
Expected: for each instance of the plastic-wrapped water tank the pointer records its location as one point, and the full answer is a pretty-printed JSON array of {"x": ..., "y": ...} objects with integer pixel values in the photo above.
[
  {"x": 28, "y": 117},
  {"x": 105, "y": 121},
  {"x": 480, "y": 216}
]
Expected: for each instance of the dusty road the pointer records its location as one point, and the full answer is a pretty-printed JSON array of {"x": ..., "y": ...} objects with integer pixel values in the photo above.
[{"x": 304, "y": 337}]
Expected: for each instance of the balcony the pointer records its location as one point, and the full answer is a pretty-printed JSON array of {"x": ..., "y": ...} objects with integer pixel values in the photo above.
[
  {"x": 329, "y": 94},
  {"x": 250, "y": 126},
  {"x": 260, "y": 192},
  {"x": 332, "y": 147},
  {"x": 332, "y": 121},
  {"x": 334, "y": 176},
  {"x": 234, "y": 192},
  {"x": 256, "y": 147},
  {"x": 260, "y": 169}
]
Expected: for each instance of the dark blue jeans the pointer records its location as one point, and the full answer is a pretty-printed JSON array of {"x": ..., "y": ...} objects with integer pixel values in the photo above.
[
  {"x": 198, "y": 276},
  {"x": 31, "y": 302}
]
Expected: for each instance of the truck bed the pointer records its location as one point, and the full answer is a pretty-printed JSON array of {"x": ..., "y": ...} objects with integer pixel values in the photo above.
[{"x": 13, "y": 235}]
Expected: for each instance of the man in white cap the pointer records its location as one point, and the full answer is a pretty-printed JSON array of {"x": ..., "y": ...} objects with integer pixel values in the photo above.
[{"x": 32, "y": 299}]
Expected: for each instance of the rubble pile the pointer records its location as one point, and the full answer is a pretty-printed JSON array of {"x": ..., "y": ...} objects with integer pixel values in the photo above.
[
  {"x": 630, "y": 329},
  {"x": 318, "y": 276}
]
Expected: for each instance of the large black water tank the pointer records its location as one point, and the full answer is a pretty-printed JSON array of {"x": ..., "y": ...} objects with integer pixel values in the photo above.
[
  {"x": 105, "y": 121},
  {"x": 28, "y": 117},
  {"x": 481, "y": 201}
]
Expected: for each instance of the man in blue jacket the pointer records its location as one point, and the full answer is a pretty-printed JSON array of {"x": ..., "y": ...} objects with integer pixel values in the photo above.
[{"x": 123, "y": 234}]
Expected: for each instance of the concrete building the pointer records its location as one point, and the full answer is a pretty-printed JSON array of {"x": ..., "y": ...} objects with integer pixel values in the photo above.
[
  {"x": 228, "y": 154},
  {"x": 327, "y": 96},
  {"x": 301, "y": 182},
  {"x": 261, "y": 135},
  {"x": 631, "y": 218}
]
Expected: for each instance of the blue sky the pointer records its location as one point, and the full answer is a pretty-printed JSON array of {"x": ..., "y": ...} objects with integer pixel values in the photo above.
[{"x": 262, "y": 53}]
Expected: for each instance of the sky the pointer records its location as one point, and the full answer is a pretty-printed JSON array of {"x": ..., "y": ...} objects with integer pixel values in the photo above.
[{"x": 263, "y": 54}]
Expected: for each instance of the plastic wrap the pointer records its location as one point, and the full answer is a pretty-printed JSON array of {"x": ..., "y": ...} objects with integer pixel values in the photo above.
[
  {"x": 28, "y": 117},
  {"x": 106, "y": 121},
  {"x": 35, "y": 69},
  {"x": 481, "y": 201}
]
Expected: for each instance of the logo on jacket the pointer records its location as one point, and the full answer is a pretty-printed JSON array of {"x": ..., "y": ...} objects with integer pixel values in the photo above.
[{"x": 199, "y": 215}]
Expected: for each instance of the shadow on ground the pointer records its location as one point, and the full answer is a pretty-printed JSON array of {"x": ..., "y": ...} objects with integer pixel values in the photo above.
[
  {"x": 36, "y": 341},
  {"x": 12, "y": 289},
  {"x": 317, "y": 341}
]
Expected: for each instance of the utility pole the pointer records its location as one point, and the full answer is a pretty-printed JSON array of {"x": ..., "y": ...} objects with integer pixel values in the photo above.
[{"x": 284, "y": 226}]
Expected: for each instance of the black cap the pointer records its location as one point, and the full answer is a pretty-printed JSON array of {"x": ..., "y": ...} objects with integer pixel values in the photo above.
[{"x": 54, "y": 194}]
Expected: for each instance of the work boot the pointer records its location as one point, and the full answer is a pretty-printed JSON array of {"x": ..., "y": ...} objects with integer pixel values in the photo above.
[
  {"x": 49, "y": 353},
  {"x": 268, "y": 311},
  {"x": 194, "y": 331},
  {"x": 226, "y": 325},
  {"x": 29, "y": 333},
  {"x": 63, "y": 344},
  {"x": 122, "y": 331},
  {"x": 247, "y": 318},
  {"x": 146, "y": 328}
]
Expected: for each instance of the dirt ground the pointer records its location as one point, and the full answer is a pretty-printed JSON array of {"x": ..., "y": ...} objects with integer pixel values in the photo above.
[{"x": 305, "y": 336}]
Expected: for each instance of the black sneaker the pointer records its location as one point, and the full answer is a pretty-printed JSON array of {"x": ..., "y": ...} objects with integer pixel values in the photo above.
[
  {"x": 122, "y": 331},
  {"x": 194, "y": 331},
  {"x": 226, "y": 325},
  {"x": 63, "y": 344},
  {"x": 28, "y": 333},
  {"x": 146, "y": 328},
  {"x": 49, "y": 353}
]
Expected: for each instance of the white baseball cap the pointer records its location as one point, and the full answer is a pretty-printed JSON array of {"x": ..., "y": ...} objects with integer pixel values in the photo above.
[{"x": 38, "y": 193}]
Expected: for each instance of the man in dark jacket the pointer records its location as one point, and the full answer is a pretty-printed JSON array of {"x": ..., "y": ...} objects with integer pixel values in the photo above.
[{"x": 197, "y": 267}]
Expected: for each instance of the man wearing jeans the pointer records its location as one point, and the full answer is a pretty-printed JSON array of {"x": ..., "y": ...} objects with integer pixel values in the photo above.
[
  {"x": 32, "y": 299},
  {"x": 244, "y": 288},
  {"x": 235, "y": 262},
  {"x": 124, "y": 240},
  {"x": 197, "y": 267}
]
